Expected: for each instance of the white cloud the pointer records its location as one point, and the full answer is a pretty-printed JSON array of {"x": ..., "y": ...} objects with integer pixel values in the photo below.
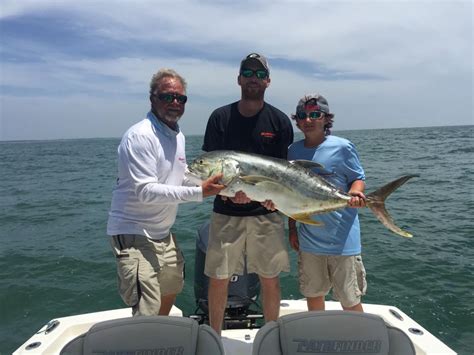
[{"x": 422, "y": 50}]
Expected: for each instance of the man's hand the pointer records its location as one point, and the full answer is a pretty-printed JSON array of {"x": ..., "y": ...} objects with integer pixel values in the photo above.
[
  {"x": 240, "y": 198},
  {"x": 357, "y": 200},
  {"x": 211, "y": 186},
  {"x": 269, "y": 205}
]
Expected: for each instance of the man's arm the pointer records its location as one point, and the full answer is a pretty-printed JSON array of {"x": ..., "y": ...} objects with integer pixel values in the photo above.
[
  {"x": 139, "y": 161},
  {"x": 293, "y": 234}
]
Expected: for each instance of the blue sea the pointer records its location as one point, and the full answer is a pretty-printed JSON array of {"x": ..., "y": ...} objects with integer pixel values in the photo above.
[{"x": 55, "y": 259}]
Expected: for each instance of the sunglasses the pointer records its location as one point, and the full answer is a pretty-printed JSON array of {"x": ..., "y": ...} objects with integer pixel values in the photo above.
[
  {"x": 314, "y": 115},
  {"x": 259, "y": 73},
  {"x": 169, "y": 98}
]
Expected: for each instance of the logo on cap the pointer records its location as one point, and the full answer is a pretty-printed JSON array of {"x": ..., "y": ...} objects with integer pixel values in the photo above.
[{"x": 255, "y": 56}]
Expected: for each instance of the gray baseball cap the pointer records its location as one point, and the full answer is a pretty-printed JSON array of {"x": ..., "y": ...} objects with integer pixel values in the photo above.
[
  {"x": 314, "y": 99},
  {"x": 258, "y": 58}
]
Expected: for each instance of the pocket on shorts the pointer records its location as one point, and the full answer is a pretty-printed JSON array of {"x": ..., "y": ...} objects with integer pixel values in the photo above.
[
  {"x": 127, "y": 272},
  {"x": 361, "y": 275},
  {"x": 302, "y": 279}
]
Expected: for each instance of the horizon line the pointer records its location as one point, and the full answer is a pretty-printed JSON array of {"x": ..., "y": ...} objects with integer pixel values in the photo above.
[{"x": 200, "y": 135}]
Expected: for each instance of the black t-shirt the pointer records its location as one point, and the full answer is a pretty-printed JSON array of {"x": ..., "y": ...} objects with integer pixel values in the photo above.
[{"x": 269, "y": 132}]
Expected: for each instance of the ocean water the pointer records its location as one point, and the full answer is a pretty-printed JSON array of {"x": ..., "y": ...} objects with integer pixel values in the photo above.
[{"x": 55, "y": 259}]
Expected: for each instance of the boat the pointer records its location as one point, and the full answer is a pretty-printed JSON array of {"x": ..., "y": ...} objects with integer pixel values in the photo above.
[
  {"x": 243, "y": 321},
  {"x": 57, "y": 333}
]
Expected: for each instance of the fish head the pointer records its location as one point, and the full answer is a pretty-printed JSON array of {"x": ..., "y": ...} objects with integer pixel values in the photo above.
[{"x": 207, "y": 165}]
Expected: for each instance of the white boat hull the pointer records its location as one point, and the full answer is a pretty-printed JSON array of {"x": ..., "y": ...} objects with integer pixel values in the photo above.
[{"x": 236, "y": 341}]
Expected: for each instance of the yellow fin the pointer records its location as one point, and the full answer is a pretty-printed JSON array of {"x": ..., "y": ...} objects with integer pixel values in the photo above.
[{"x": 306, "y": 218}]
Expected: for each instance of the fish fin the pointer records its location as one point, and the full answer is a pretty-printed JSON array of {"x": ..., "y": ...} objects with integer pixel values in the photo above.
[
  {"x": 255, "y": 179},
  {"x": 308, "y": 164},
  {"x": 376, "y": 202},
  {"x": 306, "y": 218}
]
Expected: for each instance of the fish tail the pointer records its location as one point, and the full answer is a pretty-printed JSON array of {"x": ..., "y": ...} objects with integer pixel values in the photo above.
[{"x": 376, "y": 202}]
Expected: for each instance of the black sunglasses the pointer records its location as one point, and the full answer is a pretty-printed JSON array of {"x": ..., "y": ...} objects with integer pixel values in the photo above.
[
  {"x": 259, "y": 73},
  {"x": 170, "y": 97},
  {"x": 314, "y": 115}
]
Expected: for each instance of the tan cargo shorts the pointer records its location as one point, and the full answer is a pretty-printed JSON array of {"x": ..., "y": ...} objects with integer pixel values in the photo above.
[
  {"x": 258, "y": 240},
  {"x": 344, "y": 274},
  {"x": 147, "y": 269}
]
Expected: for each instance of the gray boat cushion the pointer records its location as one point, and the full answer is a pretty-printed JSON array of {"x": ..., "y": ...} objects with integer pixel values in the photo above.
[
  {"x": 208, "y": 341},
  {"x": 75, "y": 346},
  {"x": 400, "y": 343},
  {"x": 147, "y": 335},
  {"x": 267, "y": 340},
  {"x": 331, "y": 332}
]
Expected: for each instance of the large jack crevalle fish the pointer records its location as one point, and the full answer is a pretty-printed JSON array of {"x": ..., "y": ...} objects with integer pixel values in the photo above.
[{"x": 294, "y": 189}]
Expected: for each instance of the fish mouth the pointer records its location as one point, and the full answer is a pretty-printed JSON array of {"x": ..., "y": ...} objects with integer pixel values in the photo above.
[
  {"x": 193, "y": 176},
  {"x": 191, "y": 171}
]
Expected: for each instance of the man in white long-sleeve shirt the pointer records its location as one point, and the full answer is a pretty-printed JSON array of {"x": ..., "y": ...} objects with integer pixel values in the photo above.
[{"x": 150, "y": 185}]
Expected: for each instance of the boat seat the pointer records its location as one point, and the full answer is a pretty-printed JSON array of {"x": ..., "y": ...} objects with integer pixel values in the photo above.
[
  {"x": 147, "y": 335},
  {"x": 331, "y": 332}
]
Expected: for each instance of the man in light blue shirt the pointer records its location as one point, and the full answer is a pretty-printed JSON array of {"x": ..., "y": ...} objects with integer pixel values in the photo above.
[{"x": 329, "y": 255}]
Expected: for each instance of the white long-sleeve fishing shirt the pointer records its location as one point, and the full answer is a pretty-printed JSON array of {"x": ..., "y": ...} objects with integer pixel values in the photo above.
[{"x": 151, "y": 166}]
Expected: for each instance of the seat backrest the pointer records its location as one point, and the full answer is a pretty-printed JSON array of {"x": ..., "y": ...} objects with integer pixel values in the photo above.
[
  {"x": 331, "y": 332},
  {"x": 147, "y": 335}
]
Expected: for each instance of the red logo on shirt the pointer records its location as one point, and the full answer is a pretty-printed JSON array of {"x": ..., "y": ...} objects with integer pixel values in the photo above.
[{"x": 267, "y": 134}]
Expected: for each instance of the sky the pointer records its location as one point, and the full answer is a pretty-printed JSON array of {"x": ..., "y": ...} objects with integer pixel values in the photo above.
[{"x": 81, "y": 69}]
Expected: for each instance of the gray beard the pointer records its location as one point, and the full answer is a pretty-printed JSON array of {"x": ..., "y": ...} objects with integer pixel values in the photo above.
[
  {"x": 171, "y": 119},
  {"x": 172, "y": 122}
]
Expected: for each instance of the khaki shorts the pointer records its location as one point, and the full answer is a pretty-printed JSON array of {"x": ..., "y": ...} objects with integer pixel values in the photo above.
[
  {"x": 344, "y": 274},
  {"x": 259, "y": 239},
  {"x": 147, "y": 270}
]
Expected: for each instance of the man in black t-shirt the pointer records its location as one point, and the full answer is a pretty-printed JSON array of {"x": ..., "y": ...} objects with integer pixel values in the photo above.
[{"x": 241, "y": 227}]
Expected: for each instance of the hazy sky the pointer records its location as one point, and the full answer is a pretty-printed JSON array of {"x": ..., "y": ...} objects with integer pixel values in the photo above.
[{"x": 78, "y": 69}]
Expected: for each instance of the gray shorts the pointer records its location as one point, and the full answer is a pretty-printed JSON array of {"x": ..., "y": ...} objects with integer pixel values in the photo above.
[
  {"x": 147, "y": 269},
  {"x": 344, "y": 274},
  {"x": 258, "y": 240}
]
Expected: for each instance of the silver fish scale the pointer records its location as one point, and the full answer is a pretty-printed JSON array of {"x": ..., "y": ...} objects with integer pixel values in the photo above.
[{"x": 290, "y": 175}]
